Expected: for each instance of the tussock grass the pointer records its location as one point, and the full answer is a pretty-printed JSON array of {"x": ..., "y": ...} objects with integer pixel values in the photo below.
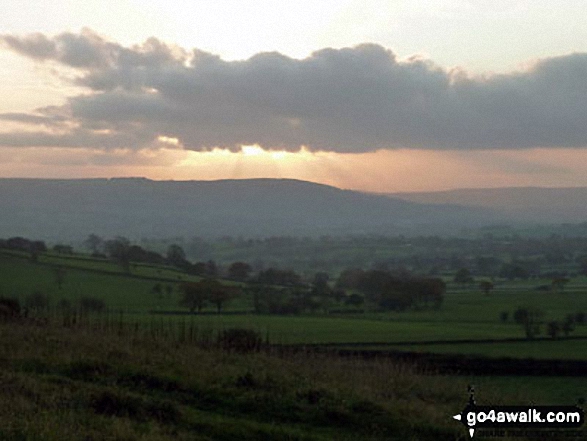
[{"x": 59, "y": 383}]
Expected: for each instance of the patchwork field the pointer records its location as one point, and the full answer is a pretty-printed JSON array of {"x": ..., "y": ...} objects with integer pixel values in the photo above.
[{"x": 147, "y": 369}]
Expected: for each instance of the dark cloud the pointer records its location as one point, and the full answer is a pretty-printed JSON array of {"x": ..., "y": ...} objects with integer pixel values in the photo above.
[
  {"x": 347, "y": 100},
  {"x": 75, "y": 138},
  {"x": 29, "y": 118}
]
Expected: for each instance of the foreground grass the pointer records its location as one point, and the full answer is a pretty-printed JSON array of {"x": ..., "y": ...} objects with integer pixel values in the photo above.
[{"x": 80, "y": 384}]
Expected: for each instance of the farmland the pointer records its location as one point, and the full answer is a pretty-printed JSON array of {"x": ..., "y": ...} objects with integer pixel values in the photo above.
[
  {"x": 466, "y": 314},
  {"x": 146, "y": 368}
]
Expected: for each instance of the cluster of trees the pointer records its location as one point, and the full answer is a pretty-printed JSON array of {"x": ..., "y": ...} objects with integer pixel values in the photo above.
[
  {"x": 195, "y": 295},
  {"x": 34, "y": 247},
  {"x": 531, "y": 320},
  {"x": 272, "y": 292},
  {"x": 269, "y": 299},
  {"x": 122, "y": 251},
  {"x": 39, "y": 303},
  {"x": 395, "y": 291}
]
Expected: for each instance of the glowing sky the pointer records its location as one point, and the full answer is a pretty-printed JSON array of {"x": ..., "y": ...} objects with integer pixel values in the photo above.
[{"x": 373, "y": 95}]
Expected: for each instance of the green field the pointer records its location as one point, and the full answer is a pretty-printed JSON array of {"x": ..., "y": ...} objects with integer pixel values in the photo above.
[
  {"x": 465, "y": 313},
  {"x": 132, "y": 374}
]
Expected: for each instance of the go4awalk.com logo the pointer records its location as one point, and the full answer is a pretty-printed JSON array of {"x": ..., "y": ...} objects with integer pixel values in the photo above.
[{"x": 502, "y": 419}]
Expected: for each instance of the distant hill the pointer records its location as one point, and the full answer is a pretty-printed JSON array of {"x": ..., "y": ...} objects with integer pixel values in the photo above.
[
  {"x": 520, "y": 204},
  {"x": 136, "y": 207}
]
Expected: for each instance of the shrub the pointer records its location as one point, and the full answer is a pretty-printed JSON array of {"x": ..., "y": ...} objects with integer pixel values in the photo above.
[
  {"x": 91, "y": 304},
  {"x": 37, "y": 301},
  {"x": 240, "y": 340},
  {"x": 115, "y": 403},
  {"x": 9, "y": 308}
]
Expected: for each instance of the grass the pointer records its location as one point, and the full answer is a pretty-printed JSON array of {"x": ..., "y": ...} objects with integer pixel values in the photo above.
[
  {"x": 465, "y": 313},
  {"x": 317, "y": 329},
  {"x": 562, "y": 391},
  {"x": 87, "y": 278},
  {"x": 85, "y": 383},
  {"x": 59, "y": 384}
]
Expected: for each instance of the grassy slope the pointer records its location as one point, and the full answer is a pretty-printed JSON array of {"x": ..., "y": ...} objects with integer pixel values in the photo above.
[{"x": 63, "y": 384}]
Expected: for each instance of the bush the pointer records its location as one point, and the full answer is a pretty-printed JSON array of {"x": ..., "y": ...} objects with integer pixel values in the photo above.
[
  {"x": 37, "y": 301},
  {"x": 119, "y": 404},
  {"x": 91, "y": 304},
  {"x": 240, "y": 340},
  {"x": 9, "y": 308}
]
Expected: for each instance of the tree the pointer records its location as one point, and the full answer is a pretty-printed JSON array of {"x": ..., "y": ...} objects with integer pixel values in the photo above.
[
  {"x": 18, "y": 243},
  {"x": 211, "y": 268},
  {"x": 239, "y": 271},
  {"x": 176, "y": 256},
  {"x": 194, "y": 296},
  {"x": 37, "y": 301},
  {"x": 350, "y": 278},
  {"x": 463, "y": 276},
  {"x": 157, "y": 290},
  {"x": 94, "y": 243},
  {"x": 582, "y": 261},
  {"x": 401, "y": 292},
  {"x": 60, "y": 273},
  {"x": 118, "y": 250},
  {"x": 37, "y": 247},
  {"x": 553, "y": 328},
  {"x": 9, "y": 308},
  {"x": 220, "y": 294},
  {"x": 568, "y": 325},
  {"x": 322, "y": 290},
  {"x": 355, "y": 300},
  {"x": 321, "y": 278},
  {"x": 64, "y": 305},
  {"x": 486, "y": 286},
  {"x": 513, "y": 271},
  {"x": 92, "y": 304},
  {"x": 261, "y": 296},
  {"x": 530, "y": 319},
  {"x": 558, "y": 284},
  {"x": 198, "y": 269},
  {"x": 487, "y": 265}
]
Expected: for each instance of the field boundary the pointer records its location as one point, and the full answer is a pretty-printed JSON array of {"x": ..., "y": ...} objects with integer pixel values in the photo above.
[
  {"x": 440, "y": 342},
  {"x": 458, "y": 364}
]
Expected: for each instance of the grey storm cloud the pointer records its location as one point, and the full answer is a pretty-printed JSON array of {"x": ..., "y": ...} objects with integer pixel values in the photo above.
[{"x": 346, "y": 100}]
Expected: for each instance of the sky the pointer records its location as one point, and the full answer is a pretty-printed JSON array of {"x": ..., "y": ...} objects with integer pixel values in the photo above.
[{"x": 383, "y": 96}]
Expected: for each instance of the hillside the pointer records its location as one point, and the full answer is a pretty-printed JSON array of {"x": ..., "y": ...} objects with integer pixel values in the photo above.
[
  {"x": 135, "y": 207},
  {"x": 522, "y": 204}
]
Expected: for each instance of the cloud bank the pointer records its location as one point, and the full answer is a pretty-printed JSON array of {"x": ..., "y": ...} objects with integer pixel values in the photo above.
[{"x": 343, "y": 100}]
